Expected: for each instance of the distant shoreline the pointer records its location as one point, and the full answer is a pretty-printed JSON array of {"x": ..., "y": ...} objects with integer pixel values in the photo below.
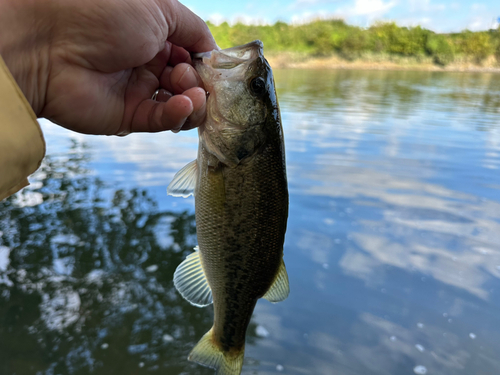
[
  {"x": 295, "y": 61},
  {"x": 334, "y": 44}
]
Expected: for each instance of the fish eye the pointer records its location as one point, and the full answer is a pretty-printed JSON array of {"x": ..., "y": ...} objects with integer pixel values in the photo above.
[{"x": 258, "y": 85}]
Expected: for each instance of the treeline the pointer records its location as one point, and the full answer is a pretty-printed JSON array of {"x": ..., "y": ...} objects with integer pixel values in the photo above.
[{"x": 327, "y": 37}]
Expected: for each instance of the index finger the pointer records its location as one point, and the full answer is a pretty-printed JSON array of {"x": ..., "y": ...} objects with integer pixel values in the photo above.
[{"x": 187, "y": 30}]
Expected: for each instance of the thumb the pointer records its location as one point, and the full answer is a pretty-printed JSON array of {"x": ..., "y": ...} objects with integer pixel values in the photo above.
[{"x": 187, "y": 30}]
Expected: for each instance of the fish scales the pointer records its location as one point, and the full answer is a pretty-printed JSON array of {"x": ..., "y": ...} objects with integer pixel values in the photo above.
[
  {"x": 241, "y": 202},
  {"x": 251, "y": 229}
]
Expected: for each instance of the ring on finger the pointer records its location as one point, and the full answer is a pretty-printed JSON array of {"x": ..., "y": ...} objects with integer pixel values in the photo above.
[{"x": 155, "y": 94}]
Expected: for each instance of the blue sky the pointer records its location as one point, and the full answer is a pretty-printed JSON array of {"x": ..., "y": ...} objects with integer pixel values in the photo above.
[{"x": 437, "y": 15}]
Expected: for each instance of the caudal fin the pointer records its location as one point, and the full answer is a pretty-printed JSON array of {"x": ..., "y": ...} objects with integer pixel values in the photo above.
[{"x": 207, "y": 353}]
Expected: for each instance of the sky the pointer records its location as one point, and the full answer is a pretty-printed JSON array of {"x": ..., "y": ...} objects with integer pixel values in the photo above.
[{"x": 436, "y": 15}]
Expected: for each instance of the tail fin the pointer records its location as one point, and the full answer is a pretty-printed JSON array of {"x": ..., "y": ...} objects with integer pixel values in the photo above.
[{"x": 207, "y": 353}]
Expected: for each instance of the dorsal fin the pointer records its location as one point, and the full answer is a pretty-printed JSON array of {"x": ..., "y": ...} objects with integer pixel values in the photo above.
[
  {"x": 280, "y": 289},
  {"x": 191, "y": 282}
]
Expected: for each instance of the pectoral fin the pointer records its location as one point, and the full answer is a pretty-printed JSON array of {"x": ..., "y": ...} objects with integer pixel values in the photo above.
[
  {"x": 184, "y": 181},
  {"x": 280, "y": 289},
  {"x": 191, "y": 282}
]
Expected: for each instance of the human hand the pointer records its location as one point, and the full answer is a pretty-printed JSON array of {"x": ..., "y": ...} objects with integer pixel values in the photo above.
[{"x": 92, "y": 66}]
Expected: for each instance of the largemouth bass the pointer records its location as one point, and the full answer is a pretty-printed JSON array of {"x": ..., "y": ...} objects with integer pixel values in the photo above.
[{"x": 241, "y": 202}]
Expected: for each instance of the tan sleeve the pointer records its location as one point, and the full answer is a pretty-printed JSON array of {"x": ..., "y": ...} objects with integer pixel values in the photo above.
[{"x": 22, "y": 146}]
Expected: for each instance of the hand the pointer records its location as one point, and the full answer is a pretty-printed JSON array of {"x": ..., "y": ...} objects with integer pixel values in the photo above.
[{"x": 92, "y": 66}]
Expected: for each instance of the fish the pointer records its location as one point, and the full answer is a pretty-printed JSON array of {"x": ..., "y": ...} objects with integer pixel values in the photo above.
[{"x": 240, "y": 191}]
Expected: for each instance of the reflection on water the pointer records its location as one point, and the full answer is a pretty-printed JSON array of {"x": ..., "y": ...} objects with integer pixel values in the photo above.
[
  {"x": 395, "y": 181},
  {"x": 86, "y": 281},
  {"x": 393, "y": 246}
]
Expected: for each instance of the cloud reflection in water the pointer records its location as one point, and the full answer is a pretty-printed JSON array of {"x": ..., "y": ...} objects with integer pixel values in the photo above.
[{"x": 392, "y": 248}]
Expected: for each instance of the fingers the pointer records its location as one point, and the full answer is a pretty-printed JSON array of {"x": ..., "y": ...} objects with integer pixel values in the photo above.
[
  {"x": 180, "y": 78},
  {"x": 175, "y": 113},
  {"x": 153, "y": 116},
  {"x": 179, "y": 55},
  {"x": 158, "y": 63},
  {"x": 183, "y": 77},
  {"x": 180, "y": 103},
  {"x": 187, "y": 30},
  {"x": 170, "y": 55},
  {"x": 199, "y": 99}
]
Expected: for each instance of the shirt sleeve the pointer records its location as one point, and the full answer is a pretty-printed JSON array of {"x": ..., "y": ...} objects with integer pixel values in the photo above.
[{"x": 22, "y": 146}]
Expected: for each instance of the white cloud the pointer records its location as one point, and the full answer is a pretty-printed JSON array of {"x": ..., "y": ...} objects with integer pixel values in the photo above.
[
  {"x": 370, "y": 8},
  {"x": 416, "y": 21},
  {"x": 310, "y": 16},
  {"x": 249, "y": 20},
  {"x": 373, "y": 8},
  {"x": 367, "y": 10},
  {"x": 425, "y": 6},
  {"x": 437, "y": 15},
  {"x": 479, "y": 23},
  {"x": 308, "y": 3},
  {"x": 478, "y": 6},
  {"x": 424, "y": 21},
  {"x": 216, "y": 18}
]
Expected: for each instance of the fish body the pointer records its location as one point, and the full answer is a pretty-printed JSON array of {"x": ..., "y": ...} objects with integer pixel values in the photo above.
[{"x": 241, "y": 202}]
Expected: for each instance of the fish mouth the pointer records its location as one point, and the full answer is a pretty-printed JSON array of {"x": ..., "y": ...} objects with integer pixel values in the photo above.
[{"x": 230, "y": 58}]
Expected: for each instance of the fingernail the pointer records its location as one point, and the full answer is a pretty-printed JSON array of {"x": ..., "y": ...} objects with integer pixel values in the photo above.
[
  {"x": 178, "y": 128},
  {"x": 123, "y": 133},
  {"x": 188, "y": 79}
]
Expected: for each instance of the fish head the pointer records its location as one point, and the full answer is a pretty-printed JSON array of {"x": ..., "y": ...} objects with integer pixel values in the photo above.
[{"x": 241, "y": 101}]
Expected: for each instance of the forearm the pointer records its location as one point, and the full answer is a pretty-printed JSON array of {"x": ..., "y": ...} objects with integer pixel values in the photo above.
[{"x": 25, "y": 46}]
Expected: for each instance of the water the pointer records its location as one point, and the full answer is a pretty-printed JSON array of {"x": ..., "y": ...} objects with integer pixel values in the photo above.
[{"x": 393, "y": 246}]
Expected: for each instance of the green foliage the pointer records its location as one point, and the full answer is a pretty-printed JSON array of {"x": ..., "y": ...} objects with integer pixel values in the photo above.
[
  {"x": 354, "y": 44},
  {"x": 495, "y": 38},
  {"x": 389, "y": 37},
  {"x": 440, "y": 49},
  {"x": 327, "y": 37},
  {"x": 477, "y": 45}
]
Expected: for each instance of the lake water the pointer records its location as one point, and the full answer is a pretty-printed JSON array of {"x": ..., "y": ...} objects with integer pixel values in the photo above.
[{"x": 392, "y": 249}]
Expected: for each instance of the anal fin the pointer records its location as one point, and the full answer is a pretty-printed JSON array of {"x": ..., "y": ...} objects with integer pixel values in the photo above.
[{"x": 280, "y": 289}]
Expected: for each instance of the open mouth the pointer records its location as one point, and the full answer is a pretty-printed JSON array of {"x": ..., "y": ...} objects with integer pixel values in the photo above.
[{"x": 231, "y": 57}]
